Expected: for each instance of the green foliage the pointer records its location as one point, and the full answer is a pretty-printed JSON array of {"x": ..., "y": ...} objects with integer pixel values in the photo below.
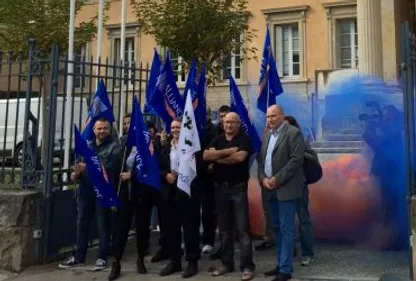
[
  {"x": 45, "y": 20},
  {"x": 202, "y": 29}
]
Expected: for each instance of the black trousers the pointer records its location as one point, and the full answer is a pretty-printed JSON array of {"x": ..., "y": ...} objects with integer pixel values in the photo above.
[
  {"x": 138, "y": 204},
  {"x": 233, "y": 215},
  {"x": 182, "y": 211},
  {"x": 209, "y": 212}
]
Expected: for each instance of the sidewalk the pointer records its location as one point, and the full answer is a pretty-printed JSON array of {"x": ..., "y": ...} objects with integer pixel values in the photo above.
[{"x": 332, "y": 263}]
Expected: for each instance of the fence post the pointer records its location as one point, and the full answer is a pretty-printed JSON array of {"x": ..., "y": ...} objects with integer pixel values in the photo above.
[
  {"x": 30, "y": 140},
  {"x": 48, "y": 162}
]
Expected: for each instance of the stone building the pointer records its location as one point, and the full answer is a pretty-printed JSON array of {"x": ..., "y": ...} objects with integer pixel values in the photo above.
[{"x": 309, "y": 37}]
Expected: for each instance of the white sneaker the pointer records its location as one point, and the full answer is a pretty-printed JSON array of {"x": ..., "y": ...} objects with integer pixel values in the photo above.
[
  {"x": 207, "y": 249},
  {"x": 100, "y": 264}
]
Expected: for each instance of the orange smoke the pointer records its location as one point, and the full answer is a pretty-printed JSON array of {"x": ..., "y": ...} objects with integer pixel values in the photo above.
[{"x": 344, "y": 203}]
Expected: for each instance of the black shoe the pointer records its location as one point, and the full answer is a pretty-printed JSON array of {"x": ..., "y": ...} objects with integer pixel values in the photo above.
[
  {"x": 160, "y": 256},
  {"x": 190, "y": 270},
  {"x": 216, "y": 255},
  {"x": 115, "y": 271},
  {"x": 282, "y": 277},
  {"x": 264, "y": 246},
  {"x": 171, "y": 268},
  {"x": 272, "y": 272},
  {"x": 141, "y": 268}
]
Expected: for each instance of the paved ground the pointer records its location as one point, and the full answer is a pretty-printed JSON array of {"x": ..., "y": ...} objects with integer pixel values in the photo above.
[{"x": 332, "y": 263}]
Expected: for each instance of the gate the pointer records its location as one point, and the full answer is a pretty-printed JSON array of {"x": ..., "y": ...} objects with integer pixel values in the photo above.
[
  {"x": 408, "y": 77},
  {"x": 33, "y": 131}
]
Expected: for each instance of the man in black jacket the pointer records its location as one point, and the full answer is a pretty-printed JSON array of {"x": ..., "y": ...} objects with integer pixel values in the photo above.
[
  {"x": 204, "y": 173},
  {"x": 137, "y": 199},
  {"x": 109, "y": 152},
  {"x": 179, "y": 210}
]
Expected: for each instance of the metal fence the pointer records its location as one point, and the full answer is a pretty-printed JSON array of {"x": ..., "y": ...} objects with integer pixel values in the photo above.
[
  {"x": 27, "y": 83},
  {"x": 33, "y": 135}
]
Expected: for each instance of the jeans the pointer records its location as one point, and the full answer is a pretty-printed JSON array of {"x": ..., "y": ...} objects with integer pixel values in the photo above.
[
  {"x": 232, "y": 207},
  {"x": 306, "y": 238},
  {"x": 87, "y": 207},
  {"x": 283, "y": 220},
  {"x": 269, "y": 232}
]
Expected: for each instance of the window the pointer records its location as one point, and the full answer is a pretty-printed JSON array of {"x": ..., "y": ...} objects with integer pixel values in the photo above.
[
  {"x": 178, "y": 67},
  {"x": 232, "y": 65},
  {"x": 129, "y": 58},
  {"x": 342, "y": 34},
  {"x": 80, "y": 57},
  {"x": 287, "y": 49},
  {"x": 288, "y": 36},
  {"x": 347, "y": 42}
]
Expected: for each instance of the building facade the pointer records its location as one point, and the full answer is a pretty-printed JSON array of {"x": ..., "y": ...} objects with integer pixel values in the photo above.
[{"x": 310, "y": 38}]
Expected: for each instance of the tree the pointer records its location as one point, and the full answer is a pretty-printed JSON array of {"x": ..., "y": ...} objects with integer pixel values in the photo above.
[
  {"x": 202, "y": 29},
  {"x": 45, "y": 20}
]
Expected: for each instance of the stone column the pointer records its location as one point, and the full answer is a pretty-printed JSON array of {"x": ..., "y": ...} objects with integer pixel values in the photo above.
[{"x": 370, "y": 53}]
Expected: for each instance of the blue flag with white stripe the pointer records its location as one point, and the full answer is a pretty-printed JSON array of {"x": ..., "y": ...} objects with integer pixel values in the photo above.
[
  {"x": 201, "y": 93},
  {"x": 146, "y": 165},
  {"x": 166, "y": 100},
  {"x": 103, "y": 188},
  {"x": 99, "y": 108},
  {"x": 269, "y": 82},
  {"x": 238, "y": 106},
  {"x": 154, "y": 73}
]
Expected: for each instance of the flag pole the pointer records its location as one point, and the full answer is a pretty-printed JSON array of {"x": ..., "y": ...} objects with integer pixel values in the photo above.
[
  {"x": 122, "y": 59},
  {"x": 122, "y": 169},
  {"x": 99, "y": 34},
  {"x": 69, "y": 86},
  {"x": 267, "y": 70}
]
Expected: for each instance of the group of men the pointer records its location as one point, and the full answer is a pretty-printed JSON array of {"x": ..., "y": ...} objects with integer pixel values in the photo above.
[{"x": 218, "y": 193}]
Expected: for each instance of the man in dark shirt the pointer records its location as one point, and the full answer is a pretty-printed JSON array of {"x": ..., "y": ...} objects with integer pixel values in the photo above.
[{"x": 230, "y": 152}]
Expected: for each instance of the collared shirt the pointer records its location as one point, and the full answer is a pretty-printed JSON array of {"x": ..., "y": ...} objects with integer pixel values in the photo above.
[
  {"x": 274, "y": 136},
  {"x": 174, "y": 158}
]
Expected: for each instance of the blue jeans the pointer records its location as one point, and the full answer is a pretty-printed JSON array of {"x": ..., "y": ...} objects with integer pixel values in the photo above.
[
  {"x": 87, "y": 207},
  {"x": 306, "y": 238},
  {"x": 283, "y": 220}
]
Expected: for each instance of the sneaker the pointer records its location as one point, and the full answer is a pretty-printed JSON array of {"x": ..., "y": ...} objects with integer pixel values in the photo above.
[
  {"x": 100, "y": 264},
  {"x": 71, "y": 262},
  {"x": 307, "y": 261},
  {"x": 207, "y": 249}
]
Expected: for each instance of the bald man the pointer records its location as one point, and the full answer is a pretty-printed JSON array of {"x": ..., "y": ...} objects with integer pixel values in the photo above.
[
  {"x": 280, "y": 171},
  {"x": 230, "y": 153}
]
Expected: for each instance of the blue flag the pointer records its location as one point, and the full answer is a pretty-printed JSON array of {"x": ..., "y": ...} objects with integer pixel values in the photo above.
[
  {"x": 99, "y": 108},
  {"x": 166, "y": 100},
  {"x": 147, "y": 168},
  {"x": 269, "y": 82},
  {"x": 104, "y": 189},
  {"x": 191, "y": 83},
  {"x": 237, "y": 105},
  {"x": 154, "y": 73},
  {"x": 201, "y": 93}
]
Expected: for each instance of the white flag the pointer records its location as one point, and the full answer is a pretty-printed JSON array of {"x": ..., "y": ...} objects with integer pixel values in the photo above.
[{"x": 188, "y": 145}]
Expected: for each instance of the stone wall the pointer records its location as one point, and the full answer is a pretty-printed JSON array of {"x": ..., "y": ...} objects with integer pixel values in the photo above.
[{"x": 20, "y": 215}]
